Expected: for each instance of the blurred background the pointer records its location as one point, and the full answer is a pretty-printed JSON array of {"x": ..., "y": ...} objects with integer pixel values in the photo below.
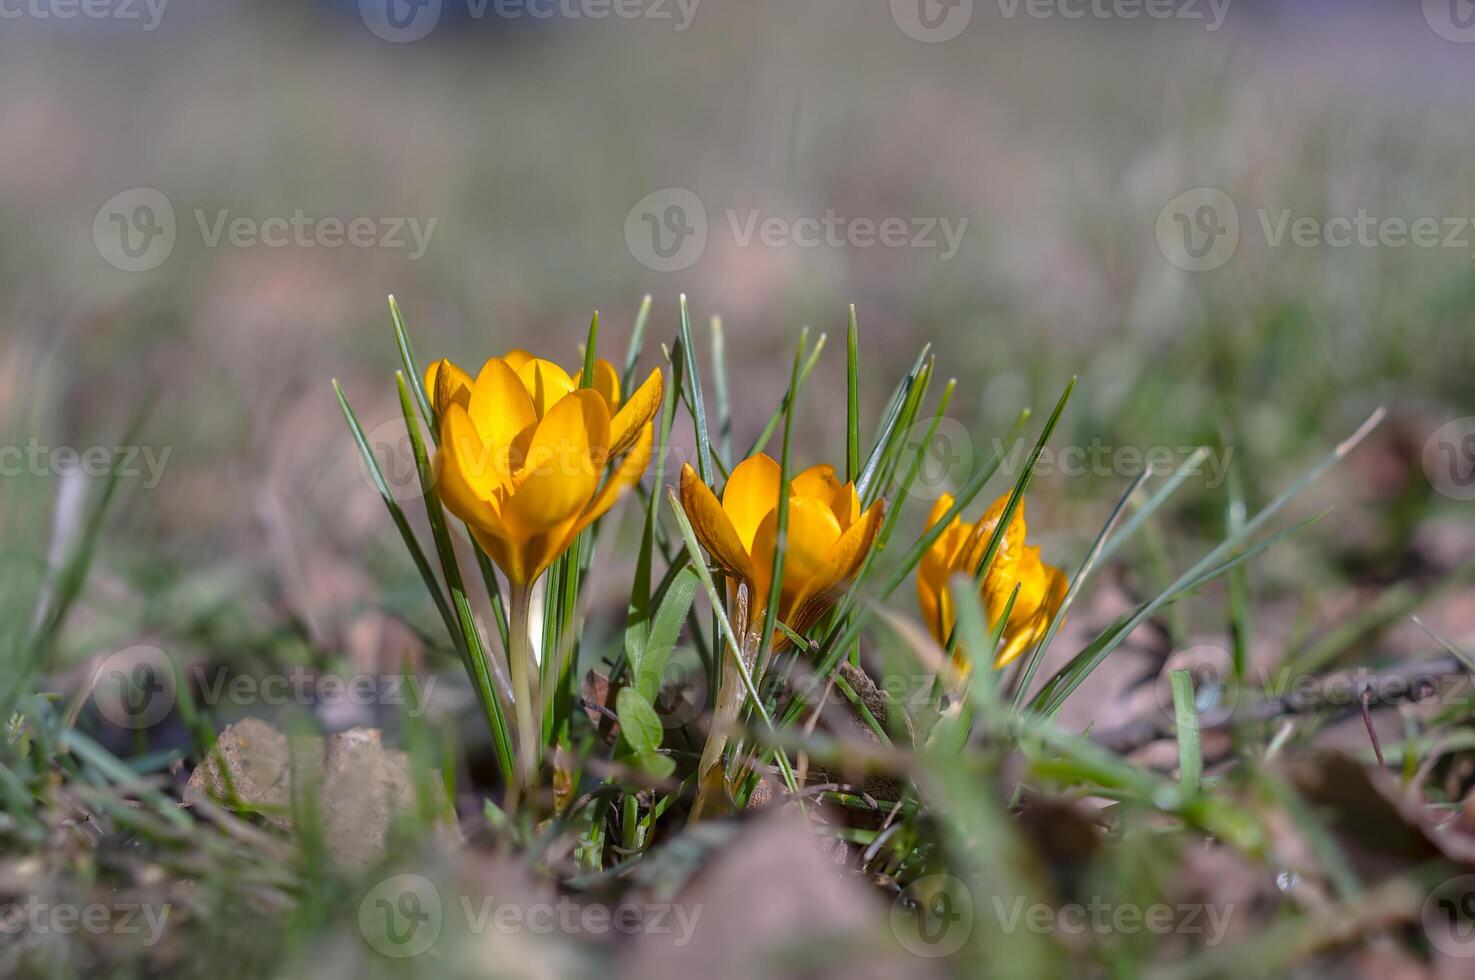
[{"x": 1210, "y": 212}]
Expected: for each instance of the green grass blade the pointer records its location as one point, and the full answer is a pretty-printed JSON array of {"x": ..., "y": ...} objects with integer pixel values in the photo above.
[
  {"x": 852, "y": 398},
  {"x": 396, "y": 513},
  {"x": 781, "y": 538},
  {"x": 411, "y": 366},
  {"x": 1190, "y": 751},
  {"x": 694, "y": 387},
  {"x": 698, "y": 563},
  {"x": 1032, "y": 663},
  {"x": 777, "y": 416},
  {"x": 1069, "y": 677},
  {"x": 719, "y": 385},
  {"x": 637, "y": 342},
  {"x": 477, "y": 659}
]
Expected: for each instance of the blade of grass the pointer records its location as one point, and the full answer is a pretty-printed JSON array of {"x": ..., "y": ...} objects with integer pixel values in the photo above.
[
  {"x": 694, "y": 549},
  {"x": 771, "y": 426},
  {"x": 397, "y": 514},
  {"x": 411, "y": 366},
  {"x": 637, "y": 343},
  {"x": 852, "y": 398},
  {"x": 1069, "y": 677},
  {"x": 719, "y": 383},
  {"x": 478, "y": 661},
  {"x": 1185, "y": 714},
  {"x": 1032, "y": 663},
  {"x": 694, "y": 387},
  {"x": 781, "y": 536}
]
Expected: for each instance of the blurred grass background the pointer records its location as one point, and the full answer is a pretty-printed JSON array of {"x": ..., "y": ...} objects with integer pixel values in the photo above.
[{"x": 529, "y": 143}]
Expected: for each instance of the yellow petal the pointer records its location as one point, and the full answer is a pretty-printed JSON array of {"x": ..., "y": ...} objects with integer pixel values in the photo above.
[
  {"x": 936, "y": 563},
  {"x": 516, "y": 358},
  {"x": 635, "y": 413},
  {"x": 499, "y": 405},
  {"x": 506, "y": 552},
  {"x": 563, "y": 464},
  {"x": 546, "y": 384},
  {"x": 467, "y": 480},
  {"x": 820, "y": 482},
  {"x": 446, "y": 383},
  {"x": 626, "y": 475},
  {"x": 750, "y": 496},
  {"x": 712, "y": 526},
  {"x": 838, "y": 569},
  {"x": 1006, "y": 559},
  {"x": 607, "y": 383},
  {"x": 812, "y": 532},
  {"x": 1042, "y": 589}
]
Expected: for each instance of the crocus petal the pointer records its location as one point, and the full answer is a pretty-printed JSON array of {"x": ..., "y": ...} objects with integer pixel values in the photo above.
[
  {"x": 446, "y": 383},
  {"x": 516, "y": 358},
  {"x": 500, "y": 406},
  {"x": 751, "y": 495},
  {"x": 639, "y": 409},
  {"x": 839, "y": 567},
  {"x": 812, "y": 532},
  {"x": 1006, "y": 560},
  {"x": 607, "y": 383},
  {"x": 712, "y": 526},
  {"x": 820, "y": 482},
  {"x": 546, "y": 384},
  {"x": 1041, "y": 591},
  {"x": 845, "y": 557},
  {"x": 466, "y": 479},
  {"x": 563, "y": 464},
  {"x": 625, "y": 475}
]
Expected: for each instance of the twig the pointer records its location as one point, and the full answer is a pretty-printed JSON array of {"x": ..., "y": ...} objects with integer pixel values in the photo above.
[{"x": 1405, "y": 683}]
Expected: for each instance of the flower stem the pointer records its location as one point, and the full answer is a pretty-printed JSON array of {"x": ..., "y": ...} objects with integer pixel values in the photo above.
[
  {"x": 730, "y": 697},
  {"x": 519, "y": 664}
]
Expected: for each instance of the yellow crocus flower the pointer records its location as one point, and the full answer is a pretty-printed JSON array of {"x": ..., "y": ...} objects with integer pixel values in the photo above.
[
  {"x": 959, "y": 549},
  {"x": 828, "y": 535},
  {"x": 523, "y": 448}
]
